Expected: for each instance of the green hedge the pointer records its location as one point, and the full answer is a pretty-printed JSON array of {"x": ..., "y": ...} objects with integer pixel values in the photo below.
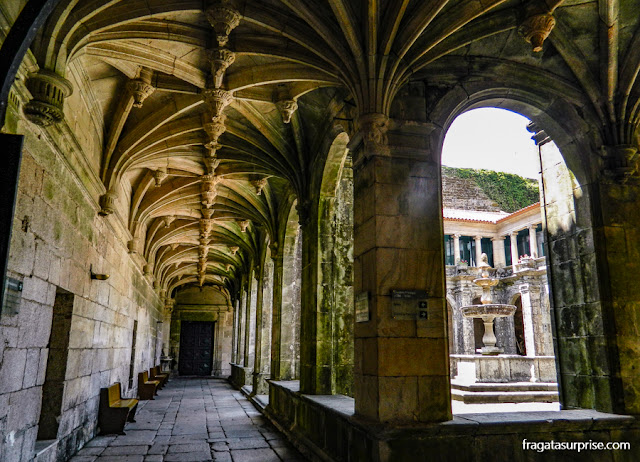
[{"x": 511, "y": 192}]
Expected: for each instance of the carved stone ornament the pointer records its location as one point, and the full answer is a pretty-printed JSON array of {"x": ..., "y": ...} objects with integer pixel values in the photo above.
[
  {"x": 168, "y": 220},
  {"x": 303, "y": 212},
  {"x": 208, "y": 189},
  {"x": 374, "y": 127},
  {"x": 140, "y": 90},
  {"x": 274, "y": 248},
  {"x": 204, "y": 241},
  {"x": 159, "y": 176},
  {"x": 620, "y": 162},
  {"x": 206, "y": 212},
  {"x": 217, "y": 99},
  {"x": 244, "y": 224},
  {"x": 203, "y": 251},
  {"x": 206, "y": 225},
  {"x": 287, "y": 107},
  {"x": 223, "y": 18},
  {"x": 211, "y": 162},
  {"x": 234, "y": 249},
  {"x": 108, "y": 203},
  {"x": 49, "y": 91},
  {"x": 147, "y": 270},
  {"x": 259, "y": 184},
  {"x": 221, "y": 59},
  {"x": 175, "y": 245},
  {"x": 535, "y": 29},
  {"x": 228, "y": 267}
]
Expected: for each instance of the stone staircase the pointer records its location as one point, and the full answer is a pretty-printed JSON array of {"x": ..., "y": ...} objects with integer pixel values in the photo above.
[{"x": 515, "y": 392}]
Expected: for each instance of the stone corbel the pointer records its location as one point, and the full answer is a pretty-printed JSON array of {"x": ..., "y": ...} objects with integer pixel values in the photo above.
[
  {"x": 140, "y": 90},
  {"x": 160, "y": 175},
  {"x": 223, "y": 17},
  {"x": 108, "y": 203},
  {"x": 49, "y": 91},
  {"x": 302, "y": 207},
  {"x": 206, "y": 212},
  {"x": 133, "y": 244},
  {"x": 217, "y": 99},
  {"x": 206, "y": 225},
  {"x": 274, "y": 248},
  {"x": 147, "y": 269},
  {"x": 228, "y": 267},
  {"x": 234, "y": 249},
  {"x": 620, "y": 162},
  {"x": 535, "y": 29}
]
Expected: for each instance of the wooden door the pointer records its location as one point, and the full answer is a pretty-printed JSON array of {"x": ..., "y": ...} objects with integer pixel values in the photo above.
[{"x": 196, "y": 348}]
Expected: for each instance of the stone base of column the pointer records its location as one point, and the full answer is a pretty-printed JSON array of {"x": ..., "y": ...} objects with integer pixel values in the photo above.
[{"x": 260, "y": 385}]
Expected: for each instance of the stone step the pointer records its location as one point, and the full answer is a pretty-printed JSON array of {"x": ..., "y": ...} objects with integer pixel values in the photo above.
[
  {"x": 485, "y": 397},
  {"x": 505, "y": 387}
]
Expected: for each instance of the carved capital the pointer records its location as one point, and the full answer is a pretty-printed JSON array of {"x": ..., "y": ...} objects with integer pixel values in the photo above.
[
  {"x": 223, "y": 18},
  {"x": 373, "y": 127},
  {"x": 108, "y": 203},
  {"x": 287, "y": 107},
  {"x": 221, "y": 59},
  {"x": 140, "y": 90},
  {"x": 535, "y": 29},
  {"x": 49, "y": 91},
  {"x": 620, "y": 162}
]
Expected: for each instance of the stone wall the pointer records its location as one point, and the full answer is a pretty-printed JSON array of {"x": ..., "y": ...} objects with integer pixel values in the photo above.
[
  {"x": 57, "y": 238},
  {"x": 465, "y": 194}
]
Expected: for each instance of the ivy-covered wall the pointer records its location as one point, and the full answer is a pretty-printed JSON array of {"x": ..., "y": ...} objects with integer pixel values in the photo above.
[{"x": 509, "y": 192}]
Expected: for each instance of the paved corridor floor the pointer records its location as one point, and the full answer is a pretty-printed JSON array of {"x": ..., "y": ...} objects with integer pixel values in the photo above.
[{"x": 194, "y": 420}]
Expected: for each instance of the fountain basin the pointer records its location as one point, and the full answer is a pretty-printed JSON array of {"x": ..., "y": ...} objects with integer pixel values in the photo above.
[{"x": 495, "y": 310}]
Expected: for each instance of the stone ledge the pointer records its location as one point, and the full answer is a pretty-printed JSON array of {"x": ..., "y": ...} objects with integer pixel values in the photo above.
[{"x": 325, "y": 428}]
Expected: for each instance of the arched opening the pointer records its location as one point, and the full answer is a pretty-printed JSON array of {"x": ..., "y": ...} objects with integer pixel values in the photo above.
[
  {"x": 504, "y": 216},
  {"x": 291, "y": 299},
  {"x": 518, "y": 325}
]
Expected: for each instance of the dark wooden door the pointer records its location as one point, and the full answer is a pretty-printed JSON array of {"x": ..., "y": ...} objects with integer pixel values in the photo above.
[{"x": 196, "y": 348}]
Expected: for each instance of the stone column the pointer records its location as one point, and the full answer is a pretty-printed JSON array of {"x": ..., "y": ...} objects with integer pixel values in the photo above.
[
  {"x": 401, "y": 363},
  {"x": 478, "y": 242},
  {"x": 456, "y": 249},
  {"x": 533, "y": 243},
  {"x": 234, "y": 332},
  {"x": 247, "y": 324},
  {"x": 499, "y": 260},
  {"x": 241, "y": 326},
  {"x": 258, "y": 378},
  {"x": 527, "y": 319},
  {"x": 276, "y": 315},
  {"x": 514, "y": 248}
]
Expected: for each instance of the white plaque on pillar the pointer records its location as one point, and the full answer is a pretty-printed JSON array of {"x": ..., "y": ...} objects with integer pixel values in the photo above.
[{"x": 362, "y": 307}]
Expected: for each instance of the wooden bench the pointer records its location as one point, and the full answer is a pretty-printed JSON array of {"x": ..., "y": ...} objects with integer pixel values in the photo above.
[
  {"x": 155, "y": 374},
  {"x": 115, "y": 410},
  {"x": 147, "y": 388}
]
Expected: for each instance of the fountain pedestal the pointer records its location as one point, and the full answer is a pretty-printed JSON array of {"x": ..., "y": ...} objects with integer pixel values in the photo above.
[{"x": 488, "y": 313}]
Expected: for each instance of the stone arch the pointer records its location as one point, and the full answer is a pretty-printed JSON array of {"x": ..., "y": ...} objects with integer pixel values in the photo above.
[
  {"x": 570, "y": 257},
  {"x": 291, "y": 298}
]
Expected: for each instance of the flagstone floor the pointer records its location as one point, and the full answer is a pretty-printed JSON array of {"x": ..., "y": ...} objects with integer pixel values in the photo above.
[{"x": 194, "y": 420}]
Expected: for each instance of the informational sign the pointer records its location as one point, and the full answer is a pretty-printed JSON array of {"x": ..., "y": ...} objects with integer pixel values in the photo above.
[
  {"x": 362, "y": 307},
  {"x": 409, "y": 304},
  {"x": 12, "y": 296}
]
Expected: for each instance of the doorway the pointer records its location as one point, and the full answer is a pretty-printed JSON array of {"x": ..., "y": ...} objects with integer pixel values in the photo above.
[{"x": 196, "y": 348}]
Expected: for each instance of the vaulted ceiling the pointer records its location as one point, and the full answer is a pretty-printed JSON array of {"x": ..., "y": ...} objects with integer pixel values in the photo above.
[{"x": 206, "y": 121}]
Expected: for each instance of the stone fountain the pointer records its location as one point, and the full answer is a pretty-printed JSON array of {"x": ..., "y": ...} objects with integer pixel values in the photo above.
[{"x": 487, "y": 311}]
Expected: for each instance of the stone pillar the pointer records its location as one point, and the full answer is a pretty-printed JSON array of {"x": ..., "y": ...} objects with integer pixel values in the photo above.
[
  {"x": 499, "y": 260},
  {"x": 247, "y": 323},
  {"x": 456, "y": 249},
  {"x": 234, "y": 332},
  {"x": 241, "y": 326},
  {"x": 533, "y": 243},
  {"x": 514, "y": 248},
  {"x": 527, "y": 319},
  {"x": 257, "y": 381},
  {"x": 276, "y": 315},
  {"x": 401, "y": 364},
  {"x": 478, "y": 242}
]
